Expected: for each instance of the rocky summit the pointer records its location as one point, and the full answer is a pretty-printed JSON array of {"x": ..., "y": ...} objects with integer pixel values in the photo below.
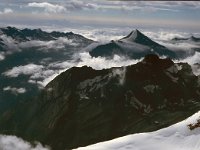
[{"x": 84, "y": 106}]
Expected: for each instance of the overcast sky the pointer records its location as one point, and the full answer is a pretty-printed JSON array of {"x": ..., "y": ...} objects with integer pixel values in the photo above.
[{"x": 100, "y": 13}]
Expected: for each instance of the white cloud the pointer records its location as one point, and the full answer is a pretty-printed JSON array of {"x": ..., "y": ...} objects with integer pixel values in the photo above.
[
  {"x": 166, "y": 35},
  {"x": 79, "y": 5},
  {"x": 15, "y": 143},
  {"x": 132, "y": 5},
  {"x": 14, "y": 90},
  {"x": 2, "y": 57},
  {"x": 28, "y": 69},
  {"x": 102, "y": 63},
  {"x": 6, "y": 11},
  {"x": 121, "y": 74},
  {"x": 42, "y": 74},
  {"x": 149, "y": 6},
  {"x": 84, "y": 59},
  {"x": 57, "y": 44},
  {"x": 12, "y": 45},
  {"x": 193, "y": 61},
  {"x": 183, "y": 48},
  {"x": 48, "y": 7}
]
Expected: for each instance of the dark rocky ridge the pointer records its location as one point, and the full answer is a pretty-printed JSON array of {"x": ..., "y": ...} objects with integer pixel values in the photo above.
[
  {"x": 35, "y": 34},
  {"x": 192, "y": 38},
  {"x": 83, "y": 106}
]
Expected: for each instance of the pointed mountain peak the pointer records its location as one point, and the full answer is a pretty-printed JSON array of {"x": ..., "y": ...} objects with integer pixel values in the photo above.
[
  {"x": 138, "y": 37},
  {"x": 133, "y": 36}
]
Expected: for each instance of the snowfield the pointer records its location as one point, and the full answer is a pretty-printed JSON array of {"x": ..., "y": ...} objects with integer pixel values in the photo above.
[{"x": 176, "y": 137}]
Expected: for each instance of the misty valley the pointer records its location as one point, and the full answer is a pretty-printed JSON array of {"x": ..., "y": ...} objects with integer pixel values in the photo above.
[{"x": 61, "y": 90}]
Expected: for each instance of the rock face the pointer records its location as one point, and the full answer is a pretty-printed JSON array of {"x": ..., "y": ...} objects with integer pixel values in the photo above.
[
  {"x": 83, "y": 106},
  {"x": 135, "y": 45}
]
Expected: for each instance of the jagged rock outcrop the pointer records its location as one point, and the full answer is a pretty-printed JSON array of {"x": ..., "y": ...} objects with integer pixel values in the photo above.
[{"x": 83, "y": 106}]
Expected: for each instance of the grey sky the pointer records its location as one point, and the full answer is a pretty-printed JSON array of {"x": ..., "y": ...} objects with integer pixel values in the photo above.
[{"x": 181, "y": 15}]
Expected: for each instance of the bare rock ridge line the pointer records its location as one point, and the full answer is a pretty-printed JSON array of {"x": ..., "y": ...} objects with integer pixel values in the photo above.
[{"x": 84, "y": 106}]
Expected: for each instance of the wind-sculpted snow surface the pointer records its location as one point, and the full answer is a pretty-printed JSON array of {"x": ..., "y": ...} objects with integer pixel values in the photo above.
[{"x": 175, "y": 137}]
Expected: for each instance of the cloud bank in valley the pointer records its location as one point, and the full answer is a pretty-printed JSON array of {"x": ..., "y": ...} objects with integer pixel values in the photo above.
[
  {"x": 28, "y": 69},
  {"x": 15, "y": 90},
  {"x": 15, "y": 143},
  {"x": 42, "y": 75},
  {"x": 42, "y": 72},
  {"x": 13, "y": 46}
]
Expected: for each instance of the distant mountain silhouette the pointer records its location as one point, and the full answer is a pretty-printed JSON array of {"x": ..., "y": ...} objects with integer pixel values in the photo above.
[
  {"x": 136, "y": 45},
  {"x": 192, "y": 38},
  {"x": 36, "y": 34}
]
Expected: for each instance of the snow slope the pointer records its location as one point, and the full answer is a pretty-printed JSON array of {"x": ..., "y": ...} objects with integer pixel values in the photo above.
[{"x": 175, "y": 137}]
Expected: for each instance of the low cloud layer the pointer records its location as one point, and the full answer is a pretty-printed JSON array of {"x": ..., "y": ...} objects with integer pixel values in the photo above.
[
  {"x": 54, "y": 44},
  {"x": 81, "y": 59},
  {"x": 15, "y": 143},
  {"x": 42, "y": 72},
  {"x": 28, "y": 69},
  {"x": 42, "y": 75},
  {"x": 193, "y": 61},
  {"x": 13, "y": 46},
  {"x": 14, "y": 90},
  {"x": 2, "y": 57}
]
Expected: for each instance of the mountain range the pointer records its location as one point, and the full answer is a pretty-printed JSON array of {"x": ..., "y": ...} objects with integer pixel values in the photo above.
[
  {"x": 22, "y": 35},
  {"x": 82, "y": 105}
]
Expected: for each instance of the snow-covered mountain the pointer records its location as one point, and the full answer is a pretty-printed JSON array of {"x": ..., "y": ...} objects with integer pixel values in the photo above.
[
  {"x": 135, "y": 45},
  {"x": 184, "y": 135}
]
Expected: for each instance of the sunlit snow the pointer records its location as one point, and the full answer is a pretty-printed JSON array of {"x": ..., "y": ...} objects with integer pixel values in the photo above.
[{"x": 175, "y": 137}]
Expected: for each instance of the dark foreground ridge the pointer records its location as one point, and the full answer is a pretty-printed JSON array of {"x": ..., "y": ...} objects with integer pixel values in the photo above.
[{"x": 84, "y": 106}]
